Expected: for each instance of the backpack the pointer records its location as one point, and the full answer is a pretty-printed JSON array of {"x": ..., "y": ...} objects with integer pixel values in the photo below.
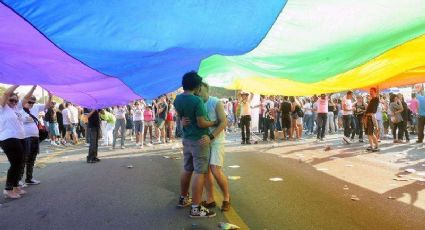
[{"x": 299, "y": 111}]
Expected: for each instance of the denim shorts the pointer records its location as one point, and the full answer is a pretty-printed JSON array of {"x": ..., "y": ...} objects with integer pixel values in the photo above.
[
  {"x": 196, "y": 157},
  {"x": 54, "y": 129},
  {"x": 138, "y": 126}
]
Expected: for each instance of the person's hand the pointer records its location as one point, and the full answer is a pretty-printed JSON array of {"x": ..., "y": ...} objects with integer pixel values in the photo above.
[
  {"x": 418, "y": 88},
  {"x": 205, "y": 140},
  {"x": 185, "y": 121}
]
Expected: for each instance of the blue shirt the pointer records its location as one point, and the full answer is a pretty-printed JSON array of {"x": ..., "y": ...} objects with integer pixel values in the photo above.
[{"x": 421, "y": 108}]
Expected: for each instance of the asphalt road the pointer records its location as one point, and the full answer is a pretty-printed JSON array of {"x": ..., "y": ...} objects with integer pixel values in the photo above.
[{"x": 109, "y": 195}]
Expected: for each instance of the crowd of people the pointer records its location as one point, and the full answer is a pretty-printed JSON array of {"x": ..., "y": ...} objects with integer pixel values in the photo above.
[
  {"x": 202, "y": 121},
  {"x": 23, "y": 120},
  {"x": 292, "y": 118}
]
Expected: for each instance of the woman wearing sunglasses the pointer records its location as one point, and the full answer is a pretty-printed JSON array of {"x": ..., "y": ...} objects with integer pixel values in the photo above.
[
  {"x": 31, "y": 142},
  {"x": 12, "y": 138}
]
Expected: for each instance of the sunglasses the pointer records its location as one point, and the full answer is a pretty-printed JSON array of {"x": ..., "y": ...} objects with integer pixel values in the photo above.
[
  {"x": 13, "y": 101},
  {"x": 31, "y": 102}
]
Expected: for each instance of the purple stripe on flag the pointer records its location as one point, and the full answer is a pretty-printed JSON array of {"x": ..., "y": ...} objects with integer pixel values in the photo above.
[{"x": 27, "y": 58}]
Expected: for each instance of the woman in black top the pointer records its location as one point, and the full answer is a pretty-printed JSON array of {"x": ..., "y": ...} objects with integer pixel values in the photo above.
[
  {"x": 359, "y": 109},
  {"x": 405, "y": 115}
]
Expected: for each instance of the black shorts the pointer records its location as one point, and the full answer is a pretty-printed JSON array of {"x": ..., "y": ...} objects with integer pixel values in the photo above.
[{"x": 286, "y": 122}]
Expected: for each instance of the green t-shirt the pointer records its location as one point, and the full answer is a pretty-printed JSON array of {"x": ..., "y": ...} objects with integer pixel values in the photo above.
[{"x": 191, "y": 106}]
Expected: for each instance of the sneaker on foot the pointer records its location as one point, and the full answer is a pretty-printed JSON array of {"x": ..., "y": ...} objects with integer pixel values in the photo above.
[
  {"x": 96, "y": 159},
  {"x": 122, "y": 147},
  {"x": 22, "y": 184},
  {"x": 201, "y": 212},
  {"x": 184, "y": 202},
  {"x": 32, "y": 182},
  {"x": 346, "y": 140},
  {"x": 369, "y": 148},
  {"x": 375, "y": 150}
]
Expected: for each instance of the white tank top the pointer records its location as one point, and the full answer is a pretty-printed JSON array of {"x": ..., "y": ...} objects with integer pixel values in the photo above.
[{"x": 211, "y": 106}]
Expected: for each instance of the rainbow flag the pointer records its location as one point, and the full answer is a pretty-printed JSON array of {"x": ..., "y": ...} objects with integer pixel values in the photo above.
[{"x": 103, "y": 53}]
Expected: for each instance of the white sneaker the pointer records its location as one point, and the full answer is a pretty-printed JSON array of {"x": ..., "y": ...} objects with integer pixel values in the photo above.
[
  {"x": 53, "y": 143},
  {"x": 137, "y": 144},
  {"x": 149, "y": 144},
  {"x": 22, "y": 184},
  {"x": 87, "y": 144},
  {"x": 122, "y": 147}
]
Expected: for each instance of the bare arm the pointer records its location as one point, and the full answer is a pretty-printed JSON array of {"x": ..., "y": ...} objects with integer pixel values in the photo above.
[
  {"x": 203, "y": 123},
  {"x": 29, "y": 95},
  {"x": 7, "y": 94},
  {"x": 49, "y": 100},
  {"x": 222, "y": 118},
  {"x": 251, "y": 95},
  {"x": 91, "y": 113}
]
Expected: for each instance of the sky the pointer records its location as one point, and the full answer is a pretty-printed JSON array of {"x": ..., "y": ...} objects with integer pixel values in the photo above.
[{"x": 24, "y": 89}]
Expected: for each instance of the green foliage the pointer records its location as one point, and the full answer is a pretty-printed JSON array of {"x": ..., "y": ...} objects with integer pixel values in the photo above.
[{"x": 221, "y": 92}]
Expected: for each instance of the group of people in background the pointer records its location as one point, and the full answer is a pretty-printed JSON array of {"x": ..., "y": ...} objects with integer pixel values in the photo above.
[{"x": 294, "y": 117}]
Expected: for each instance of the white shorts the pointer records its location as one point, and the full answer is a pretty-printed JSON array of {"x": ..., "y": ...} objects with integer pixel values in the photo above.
[
  {"x": 217, "y": 154},
  {"x": 299, "y": 121}
]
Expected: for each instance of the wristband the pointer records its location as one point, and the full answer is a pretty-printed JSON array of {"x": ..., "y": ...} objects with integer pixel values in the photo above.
[{"x": 211, "y": 136}]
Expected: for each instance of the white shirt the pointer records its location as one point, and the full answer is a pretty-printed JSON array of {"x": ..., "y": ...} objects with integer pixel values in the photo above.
[
  {"x": 138, "y": 113},
  {"x": 307, "y": 108},
  {"x": 378, "y": 113},
  {"x": 322, "y": 105},
  {"x": 30, "y": 127},
  {"x": 66, "y": 116},
  {"x": 120, "y": 112},
  {"x": 211, "y": 107},
  {"x": 348, "y": 105},
  {"x": 11, "y": 122},
  {"x": 73, "y": 114}
]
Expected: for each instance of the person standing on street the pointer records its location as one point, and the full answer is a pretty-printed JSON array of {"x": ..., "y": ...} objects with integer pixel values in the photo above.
[
  {"x": 30, "y": 113},
  {"x": 245, "y": 104},
  {"x": 372, "y": 127},
  {"x": 322, "y": 115},
  {"x": 215, "y": 111},
  {"x": 12, "y": 138},
  {"x": 94, "y": 130},
  {"x": 196, "y": 145},
  {"x": 421, "y": 112},
  {"x": 120, "y": 125}
]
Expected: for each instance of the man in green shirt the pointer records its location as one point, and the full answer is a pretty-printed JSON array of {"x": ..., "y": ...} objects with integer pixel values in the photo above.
[{"x": 196, "y": 144}]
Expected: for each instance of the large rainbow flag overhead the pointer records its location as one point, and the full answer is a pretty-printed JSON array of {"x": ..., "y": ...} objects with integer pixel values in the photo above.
[{"x": 101, "y": 53}]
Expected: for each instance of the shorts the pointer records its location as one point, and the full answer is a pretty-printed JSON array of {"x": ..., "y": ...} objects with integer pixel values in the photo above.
[
  {"x": 299, "y": 121},
  {"x": 217, "y": 154},
  {"x": 138, "y": 126},
  {"x": 370, "y": 126},
  {"x": 159, "y": 123},
  {"x": 54, "y": 129},
  {"x": 69, "y": 128},
  {"x": 148, "y": 123},
  {"x": 196, "y": 157},
  {"x": 286, "y": 122}
]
